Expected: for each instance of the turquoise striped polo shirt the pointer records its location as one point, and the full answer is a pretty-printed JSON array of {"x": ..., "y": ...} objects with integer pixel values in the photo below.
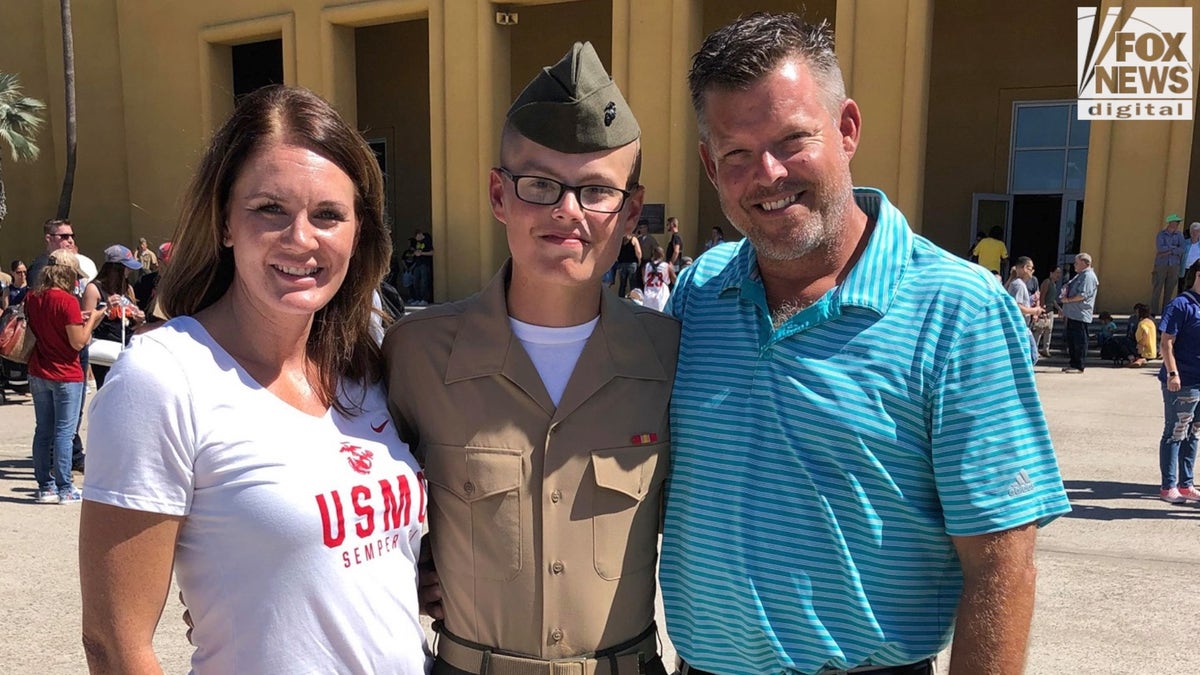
[{"x": 820, "y": 469}]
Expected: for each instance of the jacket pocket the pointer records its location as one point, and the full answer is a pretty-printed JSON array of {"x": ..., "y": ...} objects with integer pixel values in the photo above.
[
  {"x": 626, "y": 506},
  {"x": 478, "y": 494}
]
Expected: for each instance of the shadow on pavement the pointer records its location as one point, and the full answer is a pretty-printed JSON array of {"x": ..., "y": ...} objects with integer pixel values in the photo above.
[
  {"x": 1087, "y": 491},
  {"x": 19, "y": 471}
]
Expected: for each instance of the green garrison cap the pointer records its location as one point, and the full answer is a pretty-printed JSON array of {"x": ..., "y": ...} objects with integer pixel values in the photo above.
[{"x": 574, "y": 106}]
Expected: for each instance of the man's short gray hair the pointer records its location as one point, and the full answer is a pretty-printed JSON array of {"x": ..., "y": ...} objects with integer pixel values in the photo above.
[
  {"x": 1085, "y": 258},
  {"x": 736, "y": 56}
]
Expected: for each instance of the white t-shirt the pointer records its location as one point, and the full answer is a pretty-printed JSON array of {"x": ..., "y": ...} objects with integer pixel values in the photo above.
[
  {"x": 554, "y": 351},
  {"x": 655, "y": 291},
  {"x": 298, "y": 551}
]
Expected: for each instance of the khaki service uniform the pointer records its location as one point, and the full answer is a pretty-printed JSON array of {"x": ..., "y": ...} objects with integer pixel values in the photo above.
[{"x": 543, "y": 521}]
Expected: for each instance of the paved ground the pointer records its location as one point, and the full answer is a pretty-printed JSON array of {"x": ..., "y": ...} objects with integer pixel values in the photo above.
[{"x": 1103, "y": 605}]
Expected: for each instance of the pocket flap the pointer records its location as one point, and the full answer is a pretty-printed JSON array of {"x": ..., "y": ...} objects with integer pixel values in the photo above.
[
  {"x": 473, "y": 473},
  {"x": 629, "y": 470}
]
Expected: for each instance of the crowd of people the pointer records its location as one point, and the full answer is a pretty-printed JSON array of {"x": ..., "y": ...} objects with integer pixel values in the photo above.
[
  {"x": 79, "y": 318},
  {"x": 824, "y": 398}
]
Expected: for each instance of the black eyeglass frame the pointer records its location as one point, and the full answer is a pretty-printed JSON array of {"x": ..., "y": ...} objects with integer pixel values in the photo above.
[
  {"x": 63, "y": 235},
  {"x": 562, "y": 190}
]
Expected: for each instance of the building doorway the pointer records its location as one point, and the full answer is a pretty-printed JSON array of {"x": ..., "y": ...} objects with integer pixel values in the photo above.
[
  {"x": 1036, "y": 230},
  {"x": 392, "y": 96},
  {"x": 1043, "y": 209},
  {"x": 256, "y": 65}
]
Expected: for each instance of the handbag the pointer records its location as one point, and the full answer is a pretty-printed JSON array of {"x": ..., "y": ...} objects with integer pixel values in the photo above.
[
  {"x": 16, "y": 339},
  {"x": 105, "y": 352}
]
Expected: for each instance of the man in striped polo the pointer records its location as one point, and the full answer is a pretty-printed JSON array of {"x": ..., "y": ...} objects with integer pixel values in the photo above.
[{"x": 860, "y": 459}]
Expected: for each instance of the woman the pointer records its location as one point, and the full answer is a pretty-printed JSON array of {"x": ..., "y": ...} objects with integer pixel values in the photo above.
[
  {"x": 246, "y": 442},
  {"x": 657, "y": 277},
  {"x": 1146, "y": 337},
  {"x": 55, "y": 376},
  {"x": 20, "y": 283},
  {"x": 111, "y": 293},
  {"x": 1180, "y": 377}
]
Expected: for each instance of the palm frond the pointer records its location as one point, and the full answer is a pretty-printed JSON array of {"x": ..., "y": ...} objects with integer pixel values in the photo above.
[
  {"x": 23, "y": 149},
  {"x": 20, "y": 119}
]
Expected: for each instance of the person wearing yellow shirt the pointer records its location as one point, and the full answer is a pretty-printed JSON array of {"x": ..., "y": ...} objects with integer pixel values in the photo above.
[
  {"x": 991, "y": 252},
  {"x": 1147, "y": 338}
]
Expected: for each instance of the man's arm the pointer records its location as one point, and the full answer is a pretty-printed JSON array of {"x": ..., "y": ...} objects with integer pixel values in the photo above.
[
  {"x": 1162, "y": 243},
  {"x": 996, "y": 606}
]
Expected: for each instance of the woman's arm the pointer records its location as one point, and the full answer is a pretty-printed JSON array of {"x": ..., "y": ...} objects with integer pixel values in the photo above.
[
  {"x": 79, "y": 334},
  {"x": 91, "y": 298},
  {"x": 125, "y": 563}
]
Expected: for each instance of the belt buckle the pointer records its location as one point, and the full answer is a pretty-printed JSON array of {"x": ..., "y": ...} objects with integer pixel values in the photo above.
[{"x": 568, "y": 667}]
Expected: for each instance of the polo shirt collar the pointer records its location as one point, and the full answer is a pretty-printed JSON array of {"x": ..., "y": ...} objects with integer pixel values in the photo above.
[{"x": 875, "y": 278}]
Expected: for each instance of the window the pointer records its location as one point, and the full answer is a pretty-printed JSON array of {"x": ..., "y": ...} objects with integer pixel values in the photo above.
[{"x": 1049, "y": 149}]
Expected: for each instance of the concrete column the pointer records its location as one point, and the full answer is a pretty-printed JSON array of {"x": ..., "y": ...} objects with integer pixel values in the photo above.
[
  {"x": 653, "y": 45},
  {"x": 469, "y": 82},
  {"x": 884, "y": 48}
]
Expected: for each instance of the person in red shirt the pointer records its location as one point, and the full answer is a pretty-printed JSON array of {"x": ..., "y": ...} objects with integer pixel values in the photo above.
[{"x": 55, "y": 375}]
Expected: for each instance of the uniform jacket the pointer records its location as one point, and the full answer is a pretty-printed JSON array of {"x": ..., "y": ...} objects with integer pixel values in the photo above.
[{"x": 543, "y": 521}]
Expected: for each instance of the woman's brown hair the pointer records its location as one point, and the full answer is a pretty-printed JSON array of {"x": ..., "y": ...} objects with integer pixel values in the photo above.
[
  {"x": 111, "y": 279},
  {"x": 202, "y": 268}
]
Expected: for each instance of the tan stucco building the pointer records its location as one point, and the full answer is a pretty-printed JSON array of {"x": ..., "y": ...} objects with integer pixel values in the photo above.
[{"x": 967, "y": 114}]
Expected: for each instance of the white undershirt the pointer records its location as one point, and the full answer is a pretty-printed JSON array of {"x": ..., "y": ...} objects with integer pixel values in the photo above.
[{"x": 554, "y": 351}]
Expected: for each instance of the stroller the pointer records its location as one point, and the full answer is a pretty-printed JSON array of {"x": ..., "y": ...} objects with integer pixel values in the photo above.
[{"x": 13, "y": 376}]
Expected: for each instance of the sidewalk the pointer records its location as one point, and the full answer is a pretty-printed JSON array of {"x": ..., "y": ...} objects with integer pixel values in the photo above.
[{"x": 1103, "y": 606}]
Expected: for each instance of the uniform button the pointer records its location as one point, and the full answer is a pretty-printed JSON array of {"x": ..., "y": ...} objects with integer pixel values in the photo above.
[
  {"x": 557, "y": 635},
  {"x": 469, "y": 487},
  {"x": 556, "y": 496},
  {"x": 557, "y": 567}
]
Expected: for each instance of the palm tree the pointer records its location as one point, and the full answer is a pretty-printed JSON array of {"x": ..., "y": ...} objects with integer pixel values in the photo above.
[
  {"x": 68, "y": 40},
  {"x": 19, "y": 122}
]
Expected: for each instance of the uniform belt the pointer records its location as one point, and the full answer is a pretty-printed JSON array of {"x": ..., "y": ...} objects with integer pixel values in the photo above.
[{"x": 627, "y": 658}]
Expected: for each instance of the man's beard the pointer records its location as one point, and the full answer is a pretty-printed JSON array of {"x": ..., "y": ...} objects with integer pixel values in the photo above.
[{"x": 822, "y": 228}]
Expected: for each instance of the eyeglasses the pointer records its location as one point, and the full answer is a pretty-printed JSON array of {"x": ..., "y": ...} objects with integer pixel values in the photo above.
[
  {"x": 547, "y": 192},
  {"x": 64, "y": 235}
]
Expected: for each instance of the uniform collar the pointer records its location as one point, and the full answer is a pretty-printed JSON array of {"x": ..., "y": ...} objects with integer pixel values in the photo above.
[
  {"x": 875, "y": 279},
  {"x": 485, "y": 346}
]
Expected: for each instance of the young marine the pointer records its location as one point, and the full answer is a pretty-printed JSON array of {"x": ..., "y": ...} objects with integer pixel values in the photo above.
[{"x": 538, "y": 407}]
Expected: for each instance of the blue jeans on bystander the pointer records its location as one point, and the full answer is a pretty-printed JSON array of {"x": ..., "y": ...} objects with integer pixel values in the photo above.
[
  {"x": 1177, "y": 449},
  {"x": 56, "y": 414}
]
